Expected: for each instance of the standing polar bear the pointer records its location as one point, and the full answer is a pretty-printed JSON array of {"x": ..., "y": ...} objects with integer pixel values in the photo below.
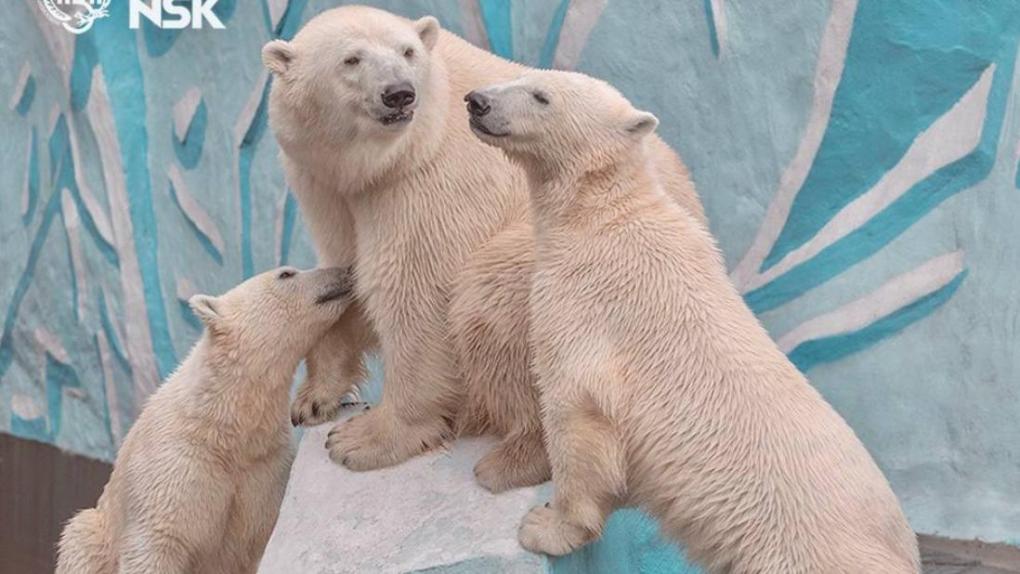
[
  {"x": 658, "y": 385},
  {"x": 366, "y": 107},
  {"x": 198, "y": 482}
]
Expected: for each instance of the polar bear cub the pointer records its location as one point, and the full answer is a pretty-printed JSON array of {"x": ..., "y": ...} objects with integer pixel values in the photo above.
[
  {"x": 198, "y": 482},
  {"x": 658, "y": 385}
]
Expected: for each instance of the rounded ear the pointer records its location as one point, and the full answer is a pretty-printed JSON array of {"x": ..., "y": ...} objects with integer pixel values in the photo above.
[
  {"x": 277, "y": 56},
  {"x": 428, "y": 31},
  {"x": 207, "y": 308},
  {"x": 640, "y": 124}
]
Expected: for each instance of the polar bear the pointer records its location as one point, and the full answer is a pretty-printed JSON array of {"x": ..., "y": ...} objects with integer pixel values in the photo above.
[
  {"x": 366, "y": 108},
  {"x": 659, "y": 387},
  {"x": 199, "y": 479}
]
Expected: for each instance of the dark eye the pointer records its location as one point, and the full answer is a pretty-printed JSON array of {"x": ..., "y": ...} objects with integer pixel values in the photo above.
[
  {"x": 352, "y": 61},
  {"x": 409, "y": 53},
  {"x": 286, "y": 274},
  {"x": 540, "y": 98}
]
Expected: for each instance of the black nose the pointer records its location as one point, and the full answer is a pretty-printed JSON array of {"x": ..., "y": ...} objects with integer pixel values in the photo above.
[
  {"x": 398, "y": 95},
  {"x": 478, "y": 104}
]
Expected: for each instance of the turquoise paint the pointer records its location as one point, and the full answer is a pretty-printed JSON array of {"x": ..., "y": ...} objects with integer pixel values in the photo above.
[
  {"x": 82, "y": 66},
  {"x": 496, "y": 15},
  {"x": 33, "y": 179},
  {"x": 204, "y": 240},
  {"x": 188, "y": 315},
  {"x": 290, "y": 214},
  {"x": 73, "y": 299},
  {"x": 46, "y": 429},
  {"x": 118, "y": 54},
  {"x": 62, "y": 161},
  {"x": 630, "y": 544},
  {"x": 828, "y": 349},
  {"x": 713, "y": 34},
  {"x": 904, "y": 212},
  {"x": 291, "y": 20},
  {"x": 552, "y": 39},
  {"x": 27, "y": 97},
  {"x": 104, "y": 400},
  {"x": 251, "y": 139},
  {"x": 907, "y": 63},
  {"x": 25, "y": 280},
  {"x": 189, "y": 151},
  {"x": 111, "y": 335}
]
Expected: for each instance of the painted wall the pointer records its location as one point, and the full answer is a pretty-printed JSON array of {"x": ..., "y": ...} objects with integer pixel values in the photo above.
[{"x": 858, "y": 159}]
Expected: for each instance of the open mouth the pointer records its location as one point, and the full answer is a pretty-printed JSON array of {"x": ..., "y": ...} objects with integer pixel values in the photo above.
[
  {"x": 478, "y": 126},
  {"x": 335, "y": 293},
  {"x": 399, "y": 117}
]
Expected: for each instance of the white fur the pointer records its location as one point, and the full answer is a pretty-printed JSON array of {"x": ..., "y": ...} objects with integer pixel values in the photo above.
[
  {"x": 659, "y": 387},
  {"x": 198, "y": 481},
  {"x": 437, "y": 226}
]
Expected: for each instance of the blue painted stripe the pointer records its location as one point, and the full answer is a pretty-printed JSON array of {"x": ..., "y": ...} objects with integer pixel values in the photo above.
[
  {"x": 27, "y": 97},
  {"x": 291, "y": 20},
  {"x": 62, "y": 159},
  {"x": 111, "y": 335},
  {"x": 33, "y": 179},
  {"x": 70, "y": 267},
  {"x": 907, "y": 64},
  {"x": 810, "y": 354},
  {"x": 104, "y": 401},
  {"x": 713, "y": 34},
  {"x": 249, "y": 144},
  {"x": 204, "y": 240},
  {"x": 58, "y": 377},
  {"x": 21, "y": 289},
  {"x": 289, "y": 221},
  {"x": 85, "y": 59},
  {"x": 552, "y": 38},
  {"x": 496, "y": 15},
  {"x": 188, "y": 315},
  {"x": 631, "y": 542},
  {"x": 189, "y": 151},
  {"x": 118, "y": 54},
  {"x": 903, "y": 213}
]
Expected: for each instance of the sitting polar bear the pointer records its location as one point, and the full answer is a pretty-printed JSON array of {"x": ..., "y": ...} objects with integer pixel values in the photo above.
[
  {"x": 198, "y": 482},
  {"x": 366, "y": 107},
  {"x": 659, "y": 387}
]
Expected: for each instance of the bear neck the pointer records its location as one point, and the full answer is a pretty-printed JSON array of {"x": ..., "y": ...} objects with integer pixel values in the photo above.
[
  {"x": 572, "y": 192},
  {"x": 244, "y": 401}
]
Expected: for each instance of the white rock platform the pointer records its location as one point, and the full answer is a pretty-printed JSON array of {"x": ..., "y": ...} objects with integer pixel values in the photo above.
[{"x": 426, "y": 515}]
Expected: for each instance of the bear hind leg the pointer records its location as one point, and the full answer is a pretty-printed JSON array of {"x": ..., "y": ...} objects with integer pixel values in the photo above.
[{"x": 519, "y": 460}]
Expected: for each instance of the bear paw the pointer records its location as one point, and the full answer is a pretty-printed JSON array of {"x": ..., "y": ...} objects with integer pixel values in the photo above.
[
  {"x": 544, "y": 531},
  {"x": 315, "y": 404},
  {"x": 377, "y": 440}
]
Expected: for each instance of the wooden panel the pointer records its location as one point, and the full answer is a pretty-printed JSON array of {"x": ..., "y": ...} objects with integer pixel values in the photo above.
[{"x": 40, "y": 488}]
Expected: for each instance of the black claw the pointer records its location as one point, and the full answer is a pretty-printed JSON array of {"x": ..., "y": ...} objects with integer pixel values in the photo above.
[{"x": 315, "y": 409}]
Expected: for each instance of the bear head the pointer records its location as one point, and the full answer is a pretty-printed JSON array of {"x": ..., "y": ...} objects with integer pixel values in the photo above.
[
  {"x": 276, "y": 317},
  {"x": 558, "y": 121},
  {"x": 351, "y": 72}
]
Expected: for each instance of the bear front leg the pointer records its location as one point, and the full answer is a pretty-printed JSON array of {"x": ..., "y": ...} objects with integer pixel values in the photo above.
[
  {"x": 336, "y": 365},
  {"x": 420, "y": 394},
  {"x": 589, "y": 477}
]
